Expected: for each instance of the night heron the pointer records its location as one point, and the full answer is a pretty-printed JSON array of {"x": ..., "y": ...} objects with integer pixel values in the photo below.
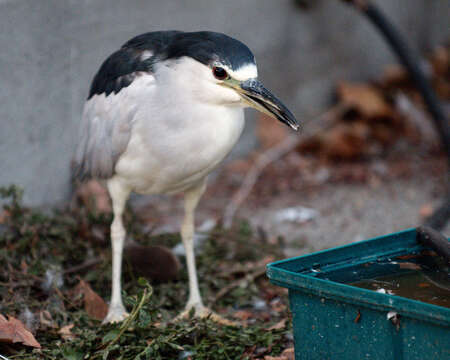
[{"x": 163, "y": 111}]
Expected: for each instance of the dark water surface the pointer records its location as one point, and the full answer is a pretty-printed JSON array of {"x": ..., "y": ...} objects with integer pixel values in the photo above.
[
  {"x": 424, "y": 278},
  {"x": 414, "y": 285}
]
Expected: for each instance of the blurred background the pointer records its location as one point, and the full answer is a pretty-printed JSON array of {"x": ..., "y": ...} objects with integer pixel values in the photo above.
[{"x": 371, "y": 165}]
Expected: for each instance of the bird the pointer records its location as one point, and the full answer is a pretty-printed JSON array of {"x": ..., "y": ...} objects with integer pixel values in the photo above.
[{"x": 162, "y": 112}]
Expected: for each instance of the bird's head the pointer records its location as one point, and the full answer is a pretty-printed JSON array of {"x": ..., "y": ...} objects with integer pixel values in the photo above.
[{"x": 219, "y": 69}]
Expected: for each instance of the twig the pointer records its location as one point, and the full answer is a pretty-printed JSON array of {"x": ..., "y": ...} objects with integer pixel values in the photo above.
[
  {"x": 132, "y": 316},
  {"x": 129, "y": 319},
  {"x": 239, "y": 269},
  {"x": 269, "y": 156},
  {"x": 248, "y": 278},
  {"x": 246, "y": 267},
  {"x": 87, "y": 264},
  {"x": 410, "y": 61}
]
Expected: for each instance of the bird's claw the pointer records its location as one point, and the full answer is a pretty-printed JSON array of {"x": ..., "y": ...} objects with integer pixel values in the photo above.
[
  {"x": 202, "y": 312},
  {"x": 115, "y": 315}
]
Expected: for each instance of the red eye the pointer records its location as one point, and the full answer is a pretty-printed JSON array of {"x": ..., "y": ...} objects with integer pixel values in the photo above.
[{"x": 219, "y": 73}]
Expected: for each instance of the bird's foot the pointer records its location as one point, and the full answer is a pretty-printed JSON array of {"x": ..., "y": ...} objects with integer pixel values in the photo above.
[
  {"x": 115, "y": 314},
  {"x": 202, "y": 312}
]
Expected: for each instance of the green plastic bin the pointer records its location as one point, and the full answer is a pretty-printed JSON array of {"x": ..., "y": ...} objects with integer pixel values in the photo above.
[{"x": 336, "y": 321}]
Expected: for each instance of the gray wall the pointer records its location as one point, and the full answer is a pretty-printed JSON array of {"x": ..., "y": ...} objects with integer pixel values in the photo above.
[{"x": 50, "y": 50}]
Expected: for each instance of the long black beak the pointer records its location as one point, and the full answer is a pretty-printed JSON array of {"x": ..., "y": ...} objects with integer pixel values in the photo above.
[{"x": 258, "y": 97}]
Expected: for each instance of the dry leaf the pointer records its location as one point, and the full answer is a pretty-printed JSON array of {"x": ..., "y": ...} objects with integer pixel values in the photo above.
[
  {"x": 95, "y": 197},
  {"x": 409, "y": 266},
  {"x": 424, "y": 285},
  {"x": 358, "y": 317},
  {"x": 289, "y": 353},
  {"x": 268, "y": 357},
  {"x": 66, "y": 332},
  {"x": 93, "y": 303},
  {"x": 277, "y": 305},
  {"x": 346, "y": 141},
  {"x": 4, "y": 216},
  {"x": 279, "y": 325},
  {"x": 366, "y": 99},
  {"x": 46, "y": 319},
  {"x": 14, "y": 331},
  {"x": 343, "y": 141},
  {"x": 24, "y": 266},
  {"x": 426, "y": 211},
  {"x": 440, "y": 60},
  {"x": 242, "y": 315},
  {"x": 394, "y": 75},
  {"x": 407, "y": 257}
]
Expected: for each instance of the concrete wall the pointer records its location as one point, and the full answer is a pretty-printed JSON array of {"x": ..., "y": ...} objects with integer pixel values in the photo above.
[{"x": 50, "y": 50}]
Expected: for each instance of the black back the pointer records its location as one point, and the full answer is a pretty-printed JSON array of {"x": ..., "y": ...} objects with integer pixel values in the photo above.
[{"x": 122, "y": 67}]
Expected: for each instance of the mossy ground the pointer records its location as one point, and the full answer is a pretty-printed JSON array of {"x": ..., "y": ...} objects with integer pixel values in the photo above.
[{"x": 38, "y": 253}]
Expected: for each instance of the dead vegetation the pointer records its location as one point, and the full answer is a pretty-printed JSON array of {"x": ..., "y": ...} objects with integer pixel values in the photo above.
[
  {"x": 56, "y": 275},
  {"x": 380, "y": 114}
]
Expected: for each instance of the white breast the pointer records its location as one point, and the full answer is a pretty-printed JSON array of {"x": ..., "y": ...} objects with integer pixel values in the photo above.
[{"x": 172, "y": 152}]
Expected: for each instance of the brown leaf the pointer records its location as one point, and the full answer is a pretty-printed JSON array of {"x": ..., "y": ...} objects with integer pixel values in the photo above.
[
  {"x": 346, "y": 141},
  {"x": 358, "y": 317},
  {"x": 424, "y": 285},
  {"x": 440, "y": 60},
  {"x": 46, "y": 319},
  {"x": 4, "y": 216},
  {"x": 14, "y": 331},
  {"x": 366, "y": 99},
  {"x": 242, "y": 315},
  {"x": 93, "y": 303},
  {"x": 268, "y": 357},
  {"x": 279, "y": 325},
  {"x": 66, "y": 332},
  {"x": 407, "y": 257},
  {"x": 94, "y": 196},
  {"x": 289, "y": 353},
  {"x": 409, "y": 266},
  {"x": 277, "y": 305},
  {"x": 24, "y": 266},
  {"x": 426, "y": 211},
  {"x": 394, "y": 75}
]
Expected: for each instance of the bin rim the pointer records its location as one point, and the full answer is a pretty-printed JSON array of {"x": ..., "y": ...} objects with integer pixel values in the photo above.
[{"x": 297, "y": 274}]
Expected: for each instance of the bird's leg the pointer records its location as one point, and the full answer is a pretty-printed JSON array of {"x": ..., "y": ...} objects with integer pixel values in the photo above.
[
  {"x": 119, "y": 195},
  {"x": 191, "y": 199}
]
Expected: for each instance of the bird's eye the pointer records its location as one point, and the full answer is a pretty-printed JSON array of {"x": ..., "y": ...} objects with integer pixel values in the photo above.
[{"x": 219, "y": 73}]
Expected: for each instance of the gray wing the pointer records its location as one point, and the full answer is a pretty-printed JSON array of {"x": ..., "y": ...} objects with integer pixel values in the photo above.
[
  {"x": 104, "y": 135},
  {"x": 115, "y": 94}
]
